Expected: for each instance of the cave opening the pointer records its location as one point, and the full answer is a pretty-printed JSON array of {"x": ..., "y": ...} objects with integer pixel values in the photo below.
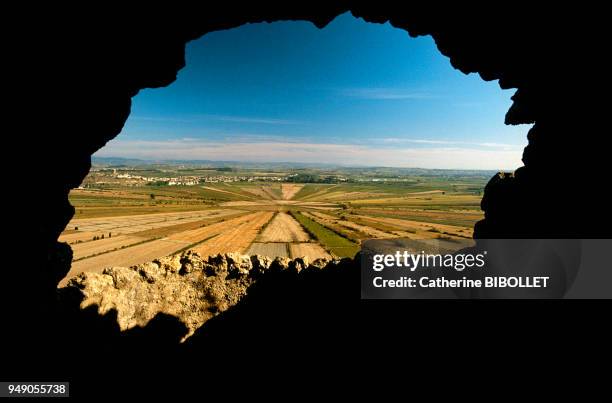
[
  {"x": 283, "y": 139},
  {"x": 546, "y": 55}
]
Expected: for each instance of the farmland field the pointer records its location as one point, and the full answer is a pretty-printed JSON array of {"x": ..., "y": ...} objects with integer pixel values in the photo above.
[
  {"x": 269, "y": 249},
  {"x": 283, "y": 228},
  {"x": 122, "y": 222}
]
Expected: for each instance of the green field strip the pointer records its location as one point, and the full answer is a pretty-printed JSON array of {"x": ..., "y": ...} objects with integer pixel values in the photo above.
[{"x": 329, "y": 239}]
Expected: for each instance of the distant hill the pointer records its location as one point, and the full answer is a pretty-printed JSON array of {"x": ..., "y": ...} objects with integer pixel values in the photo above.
[
  {"x": 362, "y": 170},
  {"x": 119, "y": 161}
]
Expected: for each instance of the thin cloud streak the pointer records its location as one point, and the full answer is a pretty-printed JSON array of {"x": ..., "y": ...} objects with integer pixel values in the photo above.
[
  {"x": 399, "y": 140},
  {"x": 341, "y": 154}
]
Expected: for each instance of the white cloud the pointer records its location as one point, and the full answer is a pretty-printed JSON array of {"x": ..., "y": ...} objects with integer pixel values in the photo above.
[
  {"x": 342, "y": 154},
  {"x": 416, "y": 141},
  {"x": 399, "y": 140}
]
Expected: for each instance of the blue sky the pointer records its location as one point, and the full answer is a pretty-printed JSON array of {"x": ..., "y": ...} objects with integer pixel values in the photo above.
[{"x": 353, "y": 93}]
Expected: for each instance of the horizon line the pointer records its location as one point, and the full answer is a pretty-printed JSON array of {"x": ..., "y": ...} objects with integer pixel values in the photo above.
[{"x": 161, "y": 160}]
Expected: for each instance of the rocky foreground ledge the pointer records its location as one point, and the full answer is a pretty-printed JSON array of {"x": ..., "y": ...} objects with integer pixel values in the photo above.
[{"x": 186, "y": 286}]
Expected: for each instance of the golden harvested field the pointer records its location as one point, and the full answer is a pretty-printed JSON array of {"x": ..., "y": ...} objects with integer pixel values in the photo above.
[
  {"x": 351, "y": 234},
  {"x": 259, "y": 191},
  {"x": 146, "y": 223},
  {"x": 216, "y": 189},
  {"x": 284, "y": 236},
  {"x": 275, "y": 204},
  {"x": 283, "y": 228},
  {"x": 269, "y": 249},
  {"x": 177, "y": 228},
  {"x": 358, "y": 227},
  {"x": 246, "y": 203},
  {"x": 310, "y": 249},
  {"x": 462, "y": 218},
  {"x": 349, "y": 195},
  {"x": 199, "y": 234},
  {"x": 273, "y": 191},
  {"x": 319, "y": 193},
  {"x": 73, "y": 237},
  {"x": 289, "y": 190},
  {"x": 437, "y": 199},
  {"x": 86, "y": 249},
  {"x": 125, "y": 257},
  {"x": 234, "y": 235},
  {"x": 131, "y": 224},
  {"x": 425, "y": 230},
  {"x": 327, "y": 219},
  {"x": 235, "y": 238},
  {"x": 113, "y": 194}
]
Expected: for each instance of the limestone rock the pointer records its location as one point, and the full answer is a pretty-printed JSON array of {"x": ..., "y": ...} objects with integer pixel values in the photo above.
[{"x": 186, "y": 286}]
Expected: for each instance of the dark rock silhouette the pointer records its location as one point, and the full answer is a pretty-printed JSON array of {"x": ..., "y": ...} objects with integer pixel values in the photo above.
[{"x": 83, "y": 69}]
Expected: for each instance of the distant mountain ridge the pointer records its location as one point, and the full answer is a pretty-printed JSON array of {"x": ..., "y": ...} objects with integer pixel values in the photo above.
[
  {"x": 135, "y": 162},
  {"x": 208, "y": 163}
]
